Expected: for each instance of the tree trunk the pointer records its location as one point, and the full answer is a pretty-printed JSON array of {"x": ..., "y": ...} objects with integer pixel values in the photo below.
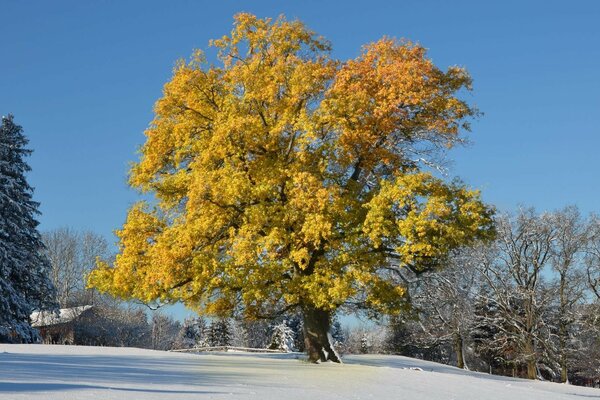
[
  {"x": 563, "y": 332},
  {"x": 317, "y": 339},
  {"x": 531, "y": 369},
  {"x": 531, "y": 359},
  {"x": 564, "y": 375},
  {"x": 458, "y": 349}
]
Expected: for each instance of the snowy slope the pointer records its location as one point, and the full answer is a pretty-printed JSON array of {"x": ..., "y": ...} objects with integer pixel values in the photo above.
[{"x": 69, "y": 372}]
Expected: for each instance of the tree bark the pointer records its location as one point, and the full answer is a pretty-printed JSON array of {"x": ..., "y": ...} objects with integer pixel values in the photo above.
[
  {"x": 531, "y": 359},
  {"x": 563, "y": 329},
  {"x": 564, "y": 374},
  {"x": 459, "y": 350},
  {"x": 317, "y": 339},
  {"x": 531, "y": 369}
]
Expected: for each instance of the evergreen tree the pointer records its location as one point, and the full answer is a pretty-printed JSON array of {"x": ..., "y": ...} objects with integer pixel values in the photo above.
[
  {"x": 398, "y": 336},
  {"x": 364, "y": 344},
  {"x": 296, "y": 325},
  {"x": 24, "y": 283},
  {"x": 193, "y": 333},
  {"x": 256, "y": 333},
  {"x": 282, "y": 338},
  {"x": 220, "y": 333},
  {"x": 337, "y": 333}
]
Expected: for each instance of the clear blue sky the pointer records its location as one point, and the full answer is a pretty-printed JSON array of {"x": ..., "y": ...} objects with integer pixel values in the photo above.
[{"x": 82, "y": 77}]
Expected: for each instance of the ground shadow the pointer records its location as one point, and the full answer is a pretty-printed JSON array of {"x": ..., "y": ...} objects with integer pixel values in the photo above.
[
  {"x": 15, "y": 387},
  {"x": 47, "y": 372}
]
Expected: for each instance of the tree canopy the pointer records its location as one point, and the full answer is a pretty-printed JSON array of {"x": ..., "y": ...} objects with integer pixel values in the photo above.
[{"x": 284, "y": 178}]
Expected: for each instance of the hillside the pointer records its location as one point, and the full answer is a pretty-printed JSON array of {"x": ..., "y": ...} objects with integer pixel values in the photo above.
[{"x": 69, "y": 372}]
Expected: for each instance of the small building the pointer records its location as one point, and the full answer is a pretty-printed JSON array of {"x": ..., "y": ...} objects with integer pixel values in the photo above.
[{"x": 58, "y": 328}]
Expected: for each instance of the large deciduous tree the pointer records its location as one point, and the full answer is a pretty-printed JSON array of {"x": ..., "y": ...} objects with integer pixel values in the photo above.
[
  {"x": 24, "y": 268},
  {"x": 285, "y": 179}
]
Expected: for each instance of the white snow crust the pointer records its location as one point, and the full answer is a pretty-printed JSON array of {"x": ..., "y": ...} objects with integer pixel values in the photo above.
[{"x": 79, "y": 372}]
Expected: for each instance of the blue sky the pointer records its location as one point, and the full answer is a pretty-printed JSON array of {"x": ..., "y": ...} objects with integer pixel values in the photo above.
[{"x": 82, "y": 77}]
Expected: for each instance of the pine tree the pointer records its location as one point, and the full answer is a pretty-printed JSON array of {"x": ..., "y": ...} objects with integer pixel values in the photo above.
[
  {"x": 296, "y": 325},
  {"x": 193, "y": 333},
  {"x": 24, "y": 283},
  {"x": 220, "y": 333},
  {"x": 364, "y": 344},
  {"x": 337, "y": 333},
  {"x": 282, "y": 338}
]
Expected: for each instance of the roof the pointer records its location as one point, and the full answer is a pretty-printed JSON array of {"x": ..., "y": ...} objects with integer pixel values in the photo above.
[{"x": 49, "y": 318}]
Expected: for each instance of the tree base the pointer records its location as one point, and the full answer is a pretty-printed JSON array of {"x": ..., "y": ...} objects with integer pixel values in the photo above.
[{"x": 317, "y": 339}]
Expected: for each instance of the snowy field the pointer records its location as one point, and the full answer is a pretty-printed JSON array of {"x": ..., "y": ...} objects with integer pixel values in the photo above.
[{"x": 69, "y": 372}]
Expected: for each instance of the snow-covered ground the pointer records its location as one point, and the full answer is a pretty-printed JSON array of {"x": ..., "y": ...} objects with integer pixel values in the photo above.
[{"x": 71, "y": 372}]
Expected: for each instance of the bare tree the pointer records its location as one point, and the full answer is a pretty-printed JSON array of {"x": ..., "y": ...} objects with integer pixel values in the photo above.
[
  {"x": 593, "y": 257},
  {"x": 444, "y": 302},
  {"x": 62, "y": 247},
  {"x": 164, "y": 331},
  {"x": 114, "y": 323},
  {"x": 571, "y": 238},
  {"x": 513, "y": 278},
  {"x": 72, "y": 255}
]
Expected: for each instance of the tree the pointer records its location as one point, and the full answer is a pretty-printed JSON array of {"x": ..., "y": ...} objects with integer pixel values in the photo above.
[
  {"x": 485, "y": 337},
  {"x": 287, "y": 180},
  {"x": 24, "y": 268},
  {"x": 585, "y": 365},
  {"x": 282, "y": 338},
  {"x": 338, "y": 335},
  {"x": 514, "y": 287},
  {"x": 256, "y": 333},
  {"x": 365, "y": 345},
  {"x": 592, "y": 259},
  {"x": 72, "y": 256},
  {"x": 568, "y": 251},
  {"x": 399, "y": 336},
  {"x": 365, "y": 339},
  {"x": 296, "y": 325},
  {"x": 192, "y": 334},
  {"x": 164, "y": 331},
  {"x": 113, "y": 323},
  {"x": 445, "y": 302},
  {"x": 220, "y": 333}
]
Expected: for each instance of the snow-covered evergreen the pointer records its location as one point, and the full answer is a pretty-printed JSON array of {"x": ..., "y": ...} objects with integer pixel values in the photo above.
[
  {"x": 337, "y": 334},
  {"x": 24, "y": 283},
  {"x": 297, "y": 326},
  {"x": 365, "y": 344},
  {"x": 220, "y": 333},
  {"x": 282, "y": 338},
  {"x": 193, "y": 333}
]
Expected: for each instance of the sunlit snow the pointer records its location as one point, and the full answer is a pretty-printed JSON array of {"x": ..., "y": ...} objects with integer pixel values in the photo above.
[{"x": 78, "y": 372}]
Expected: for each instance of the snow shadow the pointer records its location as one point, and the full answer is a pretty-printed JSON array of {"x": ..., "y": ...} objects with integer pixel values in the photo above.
[
  {"x": 16, "y": 387},
  {"x": 33, "y": 372}
]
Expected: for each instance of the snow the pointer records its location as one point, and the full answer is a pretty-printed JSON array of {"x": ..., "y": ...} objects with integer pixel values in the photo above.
[
  {"x": 47, "y": 318},
  {"x": 78, "y": 372}
]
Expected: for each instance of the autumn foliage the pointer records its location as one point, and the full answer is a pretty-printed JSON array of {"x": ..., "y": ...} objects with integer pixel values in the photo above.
[{"x": 286, "y": 179}]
